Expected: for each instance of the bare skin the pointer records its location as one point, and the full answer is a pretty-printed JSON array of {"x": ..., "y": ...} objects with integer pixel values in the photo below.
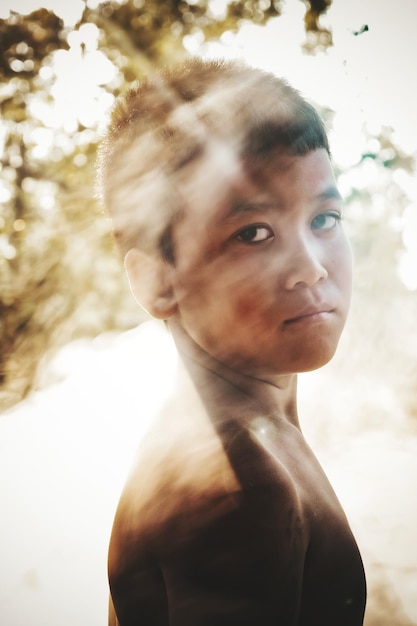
[{"x": 228, "y": 518}]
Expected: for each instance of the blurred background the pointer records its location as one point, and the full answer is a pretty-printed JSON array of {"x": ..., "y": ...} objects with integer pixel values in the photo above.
[{"x": 80, "y": 364}]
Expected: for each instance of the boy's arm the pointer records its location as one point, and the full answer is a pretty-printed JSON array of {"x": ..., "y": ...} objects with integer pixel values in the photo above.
[
  {"x": 112, "y": 615},
  {"x": 138, "y": 595}
]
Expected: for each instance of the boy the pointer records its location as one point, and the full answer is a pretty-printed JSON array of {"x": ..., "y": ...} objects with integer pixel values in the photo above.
[{"x": 225, "y": 207}]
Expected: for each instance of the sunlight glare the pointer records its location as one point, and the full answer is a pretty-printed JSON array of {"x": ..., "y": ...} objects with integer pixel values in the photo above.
[
  {"x": 78, "y": 97},
  {"x": 218, "y": 8},
  {"x": 5, "y": 193},
  {"x": 77, "y": 92}
]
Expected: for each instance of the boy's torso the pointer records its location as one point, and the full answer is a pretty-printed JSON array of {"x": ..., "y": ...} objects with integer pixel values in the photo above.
[{"x": 242, "y": 528}]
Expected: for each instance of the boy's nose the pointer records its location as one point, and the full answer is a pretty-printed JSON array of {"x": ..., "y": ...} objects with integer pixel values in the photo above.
[{"x": 304, "y": 268}]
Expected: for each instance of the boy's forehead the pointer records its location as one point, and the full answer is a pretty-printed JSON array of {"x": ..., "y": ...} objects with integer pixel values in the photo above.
[
  {"x": 215, "y": 178},
  {"x": 221, "y": 171},
  {"x": 222, "y": 186}
]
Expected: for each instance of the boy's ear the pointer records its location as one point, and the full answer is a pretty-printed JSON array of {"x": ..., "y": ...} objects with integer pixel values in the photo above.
[{"x": 149, "y": 283}]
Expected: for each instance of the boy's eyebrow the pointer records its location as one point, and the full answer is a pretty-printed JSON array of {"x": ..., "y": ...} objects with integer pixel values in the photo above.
[
  {"x": 240, "y": 207},
  {"x": 330, "y": 193}
]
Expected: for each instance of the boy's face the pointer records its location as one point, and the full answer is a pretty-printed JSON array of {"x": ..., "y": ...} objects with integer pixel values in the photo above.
[{"x": 263, "y": 268}]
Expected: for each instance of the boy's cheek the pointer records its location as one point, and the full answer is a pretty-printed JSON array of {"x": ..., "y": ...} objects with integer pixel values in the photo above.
[{"x": 345, "y": 268}]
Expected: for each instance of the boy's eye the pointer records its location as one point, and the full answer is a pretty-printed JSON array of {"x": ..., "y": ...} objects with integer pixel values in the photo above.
[
  {"x": 254, "y": 234},
  {"x": 326, "y": 221}
]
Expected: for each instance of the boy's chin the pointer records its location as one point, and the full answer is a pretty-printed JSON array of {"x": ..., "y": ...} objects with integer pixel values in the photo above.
[
  {"x": 307, "y": 361},
  {"x": 315, "y": 362}
]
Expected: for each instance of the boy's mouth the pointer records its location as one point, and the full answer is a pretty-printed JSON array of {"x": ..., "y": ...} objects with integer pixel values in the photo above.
[{"x": 310, "y": 315}]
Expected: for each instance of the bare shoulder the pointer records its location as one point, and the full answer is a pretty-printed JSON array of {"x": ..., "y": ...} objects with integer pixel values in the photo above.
[
  {"x": 192, "y": 478},
  {"x": 181, "y": 467},
  {"x": 194, "y": 527},
  {"x": 181, "y": 482}
]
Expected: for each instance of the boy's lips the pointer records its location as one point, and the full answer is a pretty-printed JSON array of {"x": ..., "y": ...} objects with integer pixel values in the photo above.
[{"x": 310, "y": 314}]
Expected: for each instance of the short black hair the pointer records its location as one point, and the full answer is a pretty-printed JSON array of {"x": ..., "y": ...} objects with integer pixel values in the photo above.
[{"x": 164, "y": 123}]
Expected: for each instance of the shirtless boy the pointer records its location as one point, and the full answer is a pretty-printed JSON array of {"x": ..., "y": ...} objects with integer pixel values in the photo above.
[{"x": 225, "y": 206}]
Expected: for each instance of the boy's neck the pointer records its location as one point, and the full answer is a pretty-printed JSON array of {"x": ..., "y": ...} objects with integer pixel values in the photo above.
[{"x": 228, "y": 388}]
